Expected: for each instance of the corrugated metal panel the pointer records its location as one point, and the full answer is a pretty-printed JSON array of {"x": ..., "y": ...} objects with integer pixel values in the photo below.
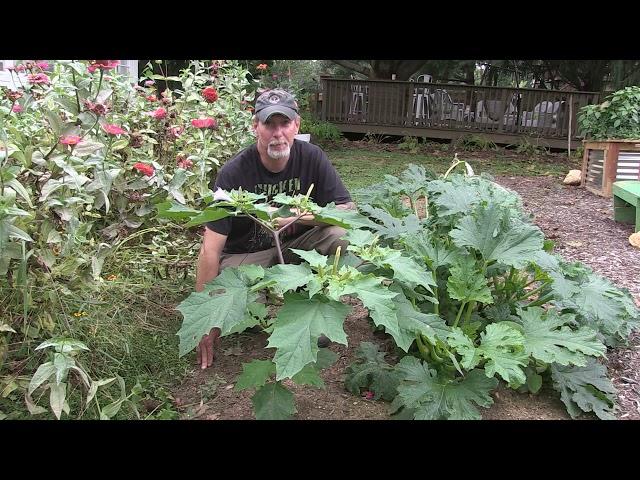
[
  {"x": 628, "y": 166},
  {"x": 594, "y": 168}
]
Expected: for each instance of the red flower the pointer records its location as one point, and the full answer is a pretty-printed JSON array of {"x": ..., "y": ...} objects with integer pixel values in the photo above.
[
  {"x": 369, "y": 395},
  {"x": 159, "y": 114},
  {"x": 210, "y": 94},
  {"x": 176, "y": 131},
  {"x": 151, "y": 98},
  {"x": 70, "y": 140},
  {"x": 262, "y": 66},
  {"x": 112, "y": 129},
  {"x": 17, "y": 108},
  {"x": 38, "y": 78},
  {"x": 42, "y": 65},
  {"x": 183, "y": 162},
  {"x": 97, "y": 108},
  {"x": 103, "y": 65},
  {"x": 204, "y": 123},
  {"x": 144, "y": 168}
]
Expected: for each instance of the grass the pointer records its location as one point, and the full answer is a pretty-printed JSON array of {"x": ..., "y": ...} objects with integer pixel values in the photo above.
[{"x": 359, "y": 167}]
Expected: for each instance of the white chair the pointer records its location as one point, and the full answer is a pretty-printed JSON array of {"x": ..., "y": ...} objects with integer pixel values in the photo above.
[{"x": 544, "y": 114}]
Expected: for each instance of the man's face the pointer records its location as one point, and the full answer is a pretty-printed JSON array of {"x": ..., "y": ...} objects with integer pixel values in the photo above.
[{"x": 276, "y": 135}]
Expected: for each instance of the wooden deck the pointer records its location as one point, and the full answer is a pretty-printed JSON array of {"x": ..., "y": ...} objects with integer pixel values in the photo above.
[{"x": 431, "y": 110}]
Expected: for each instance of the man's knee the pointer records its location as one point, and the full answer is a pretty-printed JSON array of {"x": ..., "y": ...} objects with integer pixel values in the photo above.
[{"x": 331, "y": 240}]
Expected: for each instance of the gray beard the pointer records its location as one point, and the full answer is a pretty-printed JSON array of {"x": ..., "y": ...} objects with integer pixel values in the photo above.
[{"x": 278, "y": 154}]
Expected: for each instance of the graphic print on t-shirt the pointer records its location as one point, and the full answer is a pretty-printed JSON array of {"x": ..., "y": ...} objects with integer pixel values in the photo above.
[{"x": 290, "y": 186}]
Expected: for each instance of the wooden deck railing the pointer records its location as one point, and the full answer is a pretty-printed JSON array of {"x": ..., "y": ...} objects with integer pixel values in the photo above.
[{"x": 493, "y": 110}]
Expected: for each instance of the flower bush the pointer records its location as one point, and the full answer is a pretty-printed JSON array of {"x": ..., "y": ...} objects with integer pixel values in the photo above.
[{"x": 85, "y": 156}]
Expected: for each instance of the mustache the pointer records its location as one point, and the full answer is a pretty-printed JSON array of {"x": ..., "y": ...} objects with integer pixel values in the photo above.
[{"x": 271, "y": 144}]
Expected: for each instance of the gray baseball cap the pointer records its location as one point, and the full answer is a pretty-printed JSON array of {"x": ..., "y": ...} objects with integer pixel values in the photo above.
[{"x": 276, "y": 101}]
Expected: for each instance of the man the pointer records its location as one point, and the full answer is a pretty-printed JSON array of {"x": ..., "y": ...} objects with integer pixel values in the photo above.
[{"x": 276, "y": 163}]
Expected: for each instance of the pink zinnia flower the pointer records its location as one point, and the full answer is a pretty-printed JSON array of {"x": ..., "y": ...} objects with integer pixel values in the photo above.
[
  {"x": 151, "y": 98},
  {"x": 183, "y": 162},
  {"x": 42, "y": 65},
  {"x": 38, "y": 78},
  {"x": 20, "y": 68},
  {"x": 210, "y": 94},
  {"x": 148, "y": 83},
  {"x": 204, "y": 123},
  {"x": 112, "y": 129},
  {"x": 159, "y": 113},
  {"x": 17, "y": 108},
  {"x": 103, "y": 65},
  {"x": 144, "y": 168},
  {"x": 176, "y": 131},
  {"x": 70, "y": 140},
  {"x": 369, "y": 395}
]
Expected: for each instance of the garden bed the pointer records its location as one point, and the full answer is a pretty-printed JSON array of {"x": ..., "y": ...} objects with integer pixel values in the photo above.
[{"x": 580, "y": 223}]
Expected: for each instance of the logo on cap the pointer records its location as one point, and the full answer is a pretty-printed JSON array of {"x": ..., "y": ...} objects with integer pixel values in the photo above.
[{"x": 274, "y": 98}]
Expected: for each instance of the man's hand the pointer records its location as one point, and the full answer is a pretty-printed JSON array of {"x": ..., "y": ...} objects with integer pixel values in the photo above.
[{"x": 204, "y": 349}]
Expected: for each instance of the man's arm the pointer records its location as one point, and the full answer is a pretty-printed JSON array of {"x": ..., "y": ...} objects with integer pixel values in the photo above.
[{"x": 208, "y": 269}]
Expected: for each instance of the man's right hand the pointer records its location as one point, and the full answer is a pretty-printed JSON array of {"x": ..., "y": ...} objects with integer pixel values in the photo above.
[{"x": 204, "y": 349}]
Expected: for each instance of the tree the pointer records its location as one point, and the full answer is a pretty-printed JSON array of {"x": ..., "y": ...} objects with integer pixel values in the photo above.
[{"x": 383, "y": 69}]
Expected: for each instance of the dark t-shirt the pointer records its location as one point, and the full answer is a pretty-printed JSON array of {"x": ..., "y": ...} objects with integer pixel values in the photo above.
[{"x": 307, "y": 165}]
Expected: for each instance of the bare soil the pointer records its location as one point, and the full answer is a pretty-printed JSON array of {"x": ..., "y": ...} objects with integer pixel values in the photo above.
[{"x": 582, "y": 227}]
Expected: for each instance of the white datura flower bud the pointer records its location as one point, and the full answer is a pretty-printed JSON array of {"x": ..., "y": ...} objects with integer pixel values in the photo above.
[{"x": 220, "y": 194}]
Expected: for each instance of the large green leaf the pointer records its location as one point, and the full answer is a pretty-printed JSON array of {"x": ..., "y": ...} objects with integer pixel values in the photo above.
[
  {"x": 503, "y": 348},
  {"x": 298, "y": 325},
  {"x": 313, "y": 258},
  {"x": 371, "y": 372},
  {"x": 585, "y": 389},
  {"x": 454, "y": 198},
  {"x": 222, "y": 304},
  {"x": 433, "y": 252},
  {"x": 464, "y": 346},
  {"x": 412, "y": 321},
  {"x": 378, "y": 300},
  {"x": 342, "y": 218},
  {"x": 466, "y": 283},
  {"x": 209, "y": 214},
  {"x": 496, "y": 238},
  {"x": 389, "y": 226},
  {"x": 282, "y": 278},
  {"x": 43, "y": 373},
  {"x": 255, "y": 374},
  {"x": 546, "y": 341},
  {"x": 273, "y": 402},
  {"x": 175, "y": 210},
  {"x": 435, "y": 398},
  {"x": 407, "y": 271},
  {"x": 309, "y": 375}
]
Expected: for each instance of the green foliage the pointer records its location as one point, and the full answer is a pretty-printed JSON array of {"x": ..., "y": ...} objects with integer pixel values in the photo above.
[
  {"x": 320, "y": 131},
  {"x": 527, "y": 147},
  {"x": 410, "y": 144},
  {"x": 470, "y": 142},
  {"x": 370, "y": 372},
  {"x": 491, "y": 275},
  {"x": 617, "y": 117},
  {"x": 585, "y": 389}
]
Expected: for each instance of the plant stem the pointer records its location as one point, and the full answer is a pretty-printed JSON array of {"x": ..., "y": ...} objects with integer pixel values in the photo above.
[
  {"x": 436, "y": 306},
  {"x": 455, "y": 324},
  {"x": 467, "y": 315},
  {"x": 99, "y": 85},
  {"x": 422, "y": 348},
  {"x": 533, "y": 292},
  {"x": 73, "y": 73}
]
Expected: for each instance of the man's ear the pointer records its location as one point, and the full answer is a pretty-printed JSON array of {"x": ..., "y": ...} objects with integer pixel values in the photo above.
[
  {"x": 254, "y": 125},
  {"x": 297, "y": 122}
]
